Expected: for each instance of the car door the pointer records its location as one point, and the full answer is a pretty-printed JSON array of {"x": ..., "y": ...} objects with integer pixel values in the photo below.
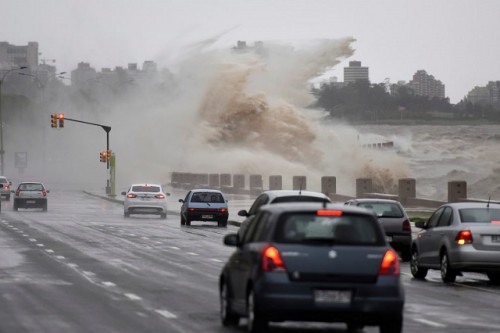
[
  {"x": 427, "y": 239},
  {"x": 185, "y": 204}
]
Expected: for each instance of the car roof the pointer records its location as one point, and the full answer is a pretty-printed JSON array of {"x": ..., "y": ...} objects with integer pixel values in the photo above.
[
  {"x": 146, "y": 184},
  {"x": 468, "y": 204},
  {"x": 30, "y": 183},
  {"x": 375, "y": 200},
  {"x": 287, "y": 193},
  {"x": 313, "y": 206},
  {"x": 206, "y": 190}
]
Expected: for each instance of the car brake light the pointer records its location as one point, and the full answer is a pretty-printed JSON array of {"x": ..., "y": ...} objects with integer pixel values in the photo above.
[
  {"x": 17, "y": 192},
  {"x": 390, "y": 264},
  {"x": 406, "y": 225},
  {"x": 222, "y": 210},
  {"x": 329, "y": 213},
  {"x": 131, "y": 195},
  {"x": 495, "y": 222},
  {"x": 159, "y": 196},
  {"x": 464, "y": 237},
  {"x": 271, "y": 260},
  {"x": 44, "y": 193},
  {"x": 192, "y": 209}
]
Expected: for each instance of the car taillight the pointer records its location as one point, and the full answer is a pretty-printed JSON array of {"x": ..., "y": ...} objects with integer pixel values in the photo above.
[
  {"x": 131, "y": 195},
  {"x": 271, "y": 260},
  {"x": 44, "y": 193},
  {"x": 464, "y": 237},
  {"x": 17, "y": 193},
  {"x": 390, "y": 264},
  {"x": 192, "y": 209},
  {"x": 222, "y": 210},
  {"x": 159, "y": 196},
  {"x": 6, "y": 186},
  {"x": 406, "y": 225},
  {"x": 325, "y": 212}
]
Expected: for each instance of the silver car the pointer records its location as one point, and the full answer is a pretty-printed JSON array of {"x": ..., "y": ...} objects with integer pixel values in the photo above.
[
  {"x": 459, "y": 237},
  {"x": 5, "y": 189},
  {"x": 393, "y": 218}
]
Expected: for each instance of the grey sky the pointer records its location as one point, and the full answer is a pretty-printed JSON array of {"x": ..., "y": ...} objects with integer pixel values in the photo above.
[{"x": 454, "y": 40}]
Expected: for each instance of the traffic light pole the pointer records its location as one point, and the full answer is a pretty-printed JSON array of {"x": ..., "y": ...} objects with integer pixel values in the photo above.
[{"x": 107, "y": 129}]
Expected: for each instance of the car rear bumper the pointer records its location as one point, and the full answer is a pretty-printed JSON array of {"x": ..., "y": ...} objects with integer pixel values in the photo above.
[
  {"x": 466, "y": 258},
  {"x": 30, "y": 202},
  {"x": 400, "y": 242},
  {"x": 209, "y": 216},
  {"x": 145, "y": 209},
  {"x": 281, "y": 299}
]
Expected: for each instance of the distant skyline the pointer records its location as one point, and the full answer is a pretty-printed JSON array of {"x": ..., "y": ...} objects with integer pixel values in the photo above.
[{"x": 453, "y": 40}]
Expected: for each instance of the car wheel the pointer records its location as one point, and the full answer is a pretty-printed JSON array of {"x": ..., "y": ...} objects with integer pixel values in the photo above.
[
  {"x": 448, "y": 274},
  {"x": 15, "y": 206},
  {"x": 227, "y": 316},
  {"x": 256, "y": 322},
  {"x": 417, "y": 271},
  {"x": 163, "y": 216},
  {"x": 223, "y": 223},
  {"x": 406, "y": 254},
  {"x": 494, "y": 278},
  {"x": 188, "y": 222},
  {"x": 44, "y": 207},
  {"x": 392, "y": 325},
  {"x": 183, "y": 220},
  {"x": 126, "y": 214}
]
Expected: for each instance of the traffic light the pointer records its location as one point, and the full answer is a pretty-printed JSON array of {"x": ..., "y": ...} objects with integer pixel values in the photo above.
[
  {"x": 60, "y": 116},
  {"x": 53, "y": 120},
  {"x": 103, "y": 156}
]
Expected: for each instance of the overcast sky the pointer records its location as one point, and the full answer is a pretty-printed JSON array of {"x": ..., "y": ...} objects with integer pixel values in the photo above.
[{"x": 457, "y": 41}]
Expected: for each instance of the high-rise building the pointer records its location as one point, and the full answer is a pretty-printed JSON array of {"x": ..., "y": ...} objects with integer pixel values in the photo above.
[
  {"x": 18, "y": 56},
  {"x": 355, "y": 72},
  {"x": 489, "y": 95},
  {"x": 424, "y": 84},
  {"x": 82, "y": 74}
]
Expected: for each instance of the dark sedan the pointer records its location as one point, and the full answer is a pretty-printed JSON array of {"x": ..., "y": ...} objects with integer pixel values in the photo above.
[{"x": 312, "y": 262}]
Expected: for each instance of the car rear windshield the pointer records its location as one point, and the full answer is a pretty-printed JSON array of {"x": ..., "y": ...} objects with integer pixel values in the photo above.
[
  {"x": 299, "y": 198},
  {"x": 151, "y": 189},
  {"x": 31, "y": 187},
  {"x": 348, "y": 229},
  {"x": 383, "y": 209},
  {"x": 207, "y": 197},
  {"x": 471, "y": 215}
]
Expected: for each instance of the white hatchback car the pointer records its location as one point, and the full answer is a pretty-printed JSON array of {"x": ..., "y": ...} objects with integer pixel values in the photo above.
[
  {"x": 145, "y": 199},
  {"x": 30, "y": 195}
]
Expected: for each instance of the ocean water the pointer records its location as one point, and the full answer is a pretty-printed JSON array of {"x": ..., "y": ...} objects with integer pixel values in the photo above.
[{"x": 436, "y": 155}]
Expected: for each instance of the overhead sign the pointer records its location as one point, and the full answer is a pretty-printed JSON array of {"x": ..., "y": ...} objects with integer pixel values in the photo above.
[{"x": 21, "y": 160}]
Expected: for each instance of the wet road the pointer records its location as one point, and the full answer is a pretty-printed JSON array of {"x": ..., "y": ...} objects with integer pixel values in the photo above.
[{"x": 83, "y": 267}]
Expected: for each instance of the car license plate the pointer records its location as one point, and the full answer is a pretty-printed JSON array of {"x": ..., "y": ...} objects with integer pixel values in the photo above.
[
  {"x": 207, "y": 216},
  {"x": 495, "y": 239},
  {"x": 332, "y": 296},
  {"x": 388, "y": 238},
  {"x": 30, "y": 201}
]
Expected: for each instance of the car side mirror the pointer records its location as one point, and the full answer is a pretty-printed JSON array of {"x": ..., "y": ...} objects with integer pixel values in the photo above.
[
  {"x": 168, "y": 194},
  {"x": 48, "y": 191},
  {"x": 243, "y": 212},
  {"x": 420, "y": 224},
  {"x": 124, "y": 193},
  {"x": 181, "y": 200},
  {"x": 231, "y": 240}
]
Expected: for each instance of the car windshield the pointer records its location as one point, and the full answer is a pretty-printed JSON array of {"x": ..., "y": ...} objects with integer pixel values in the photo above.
[
  {"x": 31, "y": 187},
  {"x": 3, "y": 181},
  {"x": 471, "y": 215},
  {"x": 299, "y": 198},
  {"x": 210, "y": 197},
  {"x": 141, "y": 188},
  {"x": 383, "y": 209},
  {"x": 348, "y": 229}
]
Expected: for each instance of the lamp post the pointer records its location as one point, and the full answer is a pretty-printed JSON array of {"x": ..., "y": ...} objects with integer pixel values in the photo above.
[{"x": 1, "y": 121}]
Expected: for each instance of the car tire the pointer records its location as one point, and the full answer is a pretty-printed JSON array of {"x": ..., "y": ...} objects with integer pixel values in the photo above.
[
  {"x": 44, "y": 207},
  {"x": 188, "y": 222},
  {"x": 256, "y": 321},
  {"x": 126, "y": 214},
  {"x": 15, "y": 207},
  {"x": 494, "y": 278},
  {"x": 392, "y": 325},
  {"x": 227, "y": 316},
  {"x": 417, "y": 271},
  {"x": 163, "y": 216},
  {"x": 448, "y": 275},
  {"x": 183, "y": 220}
]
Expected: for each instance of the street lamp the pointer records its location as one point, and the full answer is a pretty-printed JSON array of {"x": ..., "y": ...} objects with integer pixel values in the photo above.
[{"x": 1, "y": 124}]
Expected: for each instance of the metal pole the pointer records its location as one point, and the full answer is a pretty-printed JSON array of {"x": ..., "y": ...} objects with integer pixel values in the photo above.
[{"x": 1, "y": 130}]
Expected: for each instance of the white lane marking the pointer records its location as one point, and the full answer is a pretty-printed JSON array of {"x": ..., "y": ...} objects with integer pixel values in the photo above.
[
  {"x": 174, "y": 247},
  {"x": 193, "y": 254},
  {"x": 133, "y": 297},
  {"x": 25, "y": 235},
  {"x": 40, "y": 245},
  {"x": 145, "y": 238},
  {"x": 13, "y": 228},
  {"x": 72, "y": 265},
  {"x": 157, "y": 242},
  {"x": 32, "y": 240},
  {"x": 49, "y": 250},
  {"x": 88, "y": 273},
  {"x": 109, "y": 284},
  {"x": 216, "y": 260},
  {"x": 60, "y": 257},
  {"x": 429, "y": 322},
  {"x": 132, "y": 235},
  {"x": 166, "y": 314}
]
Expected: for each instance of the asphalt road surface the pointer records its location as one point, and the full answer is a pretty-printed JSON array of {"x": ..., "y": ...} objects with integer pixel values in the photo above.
[{"x": 83, "y": 267}]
